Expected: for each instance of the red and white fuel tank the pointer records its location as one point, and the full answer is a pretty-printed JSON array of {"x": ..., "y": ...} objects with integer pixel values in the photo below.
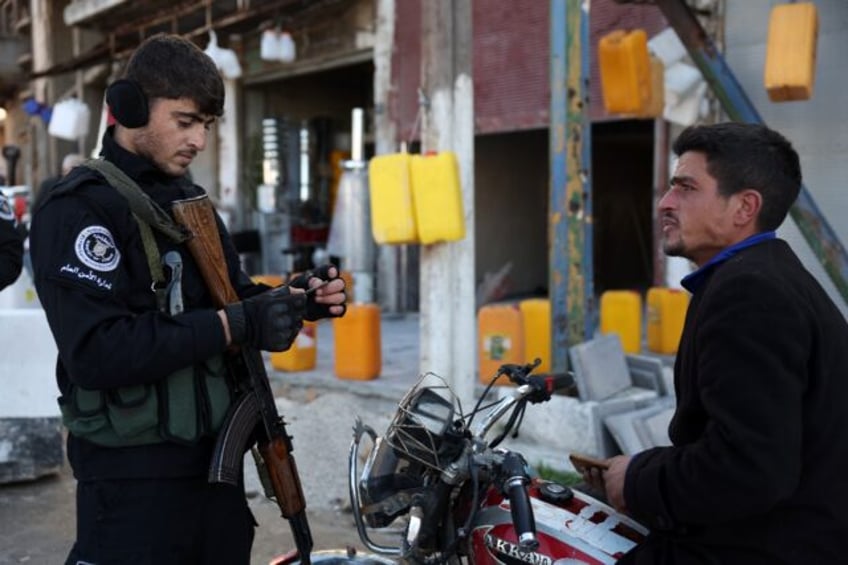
[{"x": 572, "y": 528}]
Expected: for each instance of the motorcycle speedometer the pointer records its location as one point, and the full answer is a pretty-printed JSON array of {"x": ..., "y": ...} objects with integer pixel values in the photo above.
[{"x": 420, "y": 426}]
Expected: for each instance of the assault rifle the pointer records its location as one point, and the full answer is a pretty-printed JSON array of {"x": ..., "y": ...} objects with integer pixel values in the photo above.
[{"x": 255, "y": 403}]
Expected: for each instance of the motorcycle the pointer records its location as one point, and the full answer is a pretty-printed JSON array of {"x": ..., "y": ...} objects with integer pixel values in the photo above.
[{"x": 440, "y": 492}]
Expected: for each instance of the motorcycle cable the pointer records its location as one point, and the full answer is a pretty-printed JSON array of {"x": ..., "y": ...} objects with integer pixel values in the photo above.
[
  {"x": 516, "y": 373},
  {"x": 516, "y": 415},
  {"x": 477, "y": 407}
]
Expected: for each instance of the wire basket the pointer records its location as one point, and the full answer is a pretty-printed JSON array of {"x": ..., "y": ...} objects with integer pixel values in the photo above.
[{"x": 424, "y": 416}]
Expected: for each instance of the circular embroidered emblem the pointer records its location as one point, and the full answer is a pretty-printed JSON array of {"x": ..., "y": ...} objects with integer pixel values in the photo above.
[
  {"x": 96, "y": 249},
  {"x": 6, "y": 212}
]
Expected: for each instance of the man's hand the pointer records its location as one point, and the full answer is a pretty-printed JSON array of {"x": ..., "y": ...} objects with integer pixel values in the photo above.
[
  {"x": 325, "y": 292},
  {"x": 614, "y": 481},
  {"x": 268, "y": 321}
]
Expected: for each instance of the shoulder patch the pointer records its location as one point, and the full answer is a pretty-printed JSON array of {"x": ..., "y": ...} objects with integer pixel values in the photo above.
[
  {"x": 6, "y": 212},
  {"x": 95, "y": 248}
]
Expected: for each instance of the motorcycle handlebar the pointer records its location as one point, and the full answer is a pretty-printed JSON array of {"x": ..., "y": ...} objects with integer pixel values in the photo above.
[
  {"x": 554, "y": 381},
  {"x": 515, "y": 488},
  {"x": 520, "y": 375}
]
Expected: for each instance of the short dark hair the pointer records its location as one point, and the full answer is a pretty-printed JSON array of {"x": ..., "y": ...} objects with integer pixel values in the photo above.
[
  {"x": 169, "y": 66},
  {"x": 741, "y": 156}
]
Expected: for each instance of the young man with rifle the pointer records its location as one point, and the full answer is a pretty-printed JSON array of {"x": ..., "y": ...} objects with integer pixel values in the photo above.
[{"x": 163, "y": 388}]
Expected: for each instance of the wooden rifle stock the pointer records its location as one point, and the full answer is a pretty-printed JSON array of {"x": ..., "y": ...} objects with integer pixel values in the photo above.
[
  {"x": 282, "y": 471},
  {"x": 197, "y": 215}
]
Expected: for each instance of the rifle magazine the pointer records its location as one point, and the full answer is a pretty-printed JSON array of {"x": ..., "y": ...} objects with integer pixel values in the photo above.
[{"x": 237, "y": 432}]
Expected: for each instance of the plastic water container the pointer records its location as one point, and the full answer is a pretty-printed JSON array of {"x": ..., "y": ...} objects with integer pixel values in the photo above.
[
  {"x": 536, "y": 320},
  {"x": 790, "y": 68},
  {"x": 392, "y": 211},
  {"x": 621, "y": 313},
  {"x": 302, "y": 354},
  {"x": 356, "y": 339},
  {"x": 666, "y": 313},
  {"x": 437, "y": 197},
  {"x": 500, "y": 336},
  {"x": 656, "y": 95},
  {"x": 625, "y": 70},
  {"x": 70, "y": 119}
]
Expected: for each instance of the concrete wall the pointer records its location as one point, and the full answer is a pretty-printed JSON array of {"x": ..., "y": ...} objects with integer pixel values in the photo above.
[{"x": 818, "y": 127}]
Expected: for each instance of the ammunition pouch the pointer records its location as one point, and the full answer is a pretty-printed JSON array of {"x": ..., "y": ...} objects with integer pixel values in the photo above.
[{"x": 183, "y": 407}]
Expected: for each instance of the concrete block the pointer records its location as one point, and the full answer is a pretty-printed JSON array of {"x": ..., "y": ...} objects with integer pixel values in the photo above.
[
  {"x": 653, "y": 428},
  {"x": 30, "y": 448},
  {"x": 600, "y": 369},
  {"x": 647, "y": 372},
  {"x": 642, "y": 428},
  {"x": 30, "y": 423},
  {"x": 668, "y": 380},
  {"x": 28, "y": 365},
  {"x": 605, "y": 443}
]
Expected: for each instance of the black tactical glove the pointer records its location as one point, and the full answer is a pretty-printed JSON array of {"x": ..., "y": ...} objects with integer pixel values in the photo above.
[
  {"x": 314, "y": 310},
  {"x": 269, "y": 321}
]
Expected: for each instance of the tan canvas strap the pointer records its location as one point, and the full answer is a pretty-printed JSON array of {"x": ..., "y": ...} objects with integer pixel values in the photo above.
[{"x": 148, "y": 215}]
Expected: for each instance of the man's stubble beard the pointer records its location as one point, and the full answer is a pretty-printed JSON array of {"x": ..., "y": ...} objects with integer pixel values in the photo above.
[{"x": 674, "y": 249}]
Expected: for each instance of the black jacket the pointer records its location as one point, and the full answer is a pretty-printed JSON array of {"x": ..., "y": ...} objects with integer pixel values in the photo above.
[
  {"x": 11, "y": 245},
  {"x": 92, "y": 278},
  {"x": 758, "y": 471}
]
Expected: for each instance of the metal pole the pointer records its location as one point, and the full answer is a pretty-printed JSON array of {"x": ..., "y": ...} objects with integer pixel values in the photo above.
[
  {"x": 813, "y": 225},
  {"x": 570, "y": 205}
]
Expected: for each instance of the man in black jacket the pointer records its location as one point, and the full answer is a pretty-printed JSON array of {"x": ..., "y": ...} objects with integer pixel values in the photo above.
[
  {"x": 757, "y": 470},
  {"x": 11, "y": 245},
  {"x": 144, "y": 387}
]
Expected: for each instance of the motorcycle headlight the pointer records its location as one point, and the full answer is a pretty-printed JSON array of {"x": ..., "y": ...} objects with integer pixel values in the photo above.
[
  {"x": 386, "y": 485},
  {"x": 419, "y": 440}
]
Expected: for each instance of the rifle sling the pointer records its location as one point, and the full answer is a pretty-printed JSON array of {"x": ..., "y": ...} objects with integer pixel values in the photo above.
[
  {"x": 146, "y": 213},
  {"x": 140, "y": 203}
]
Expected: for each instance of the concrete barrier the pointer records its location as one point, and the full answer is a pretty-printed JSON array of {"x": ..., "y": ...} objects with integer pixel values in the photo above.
[
  {"x": 20, "y": 294},
  {"x": 30, "y": 423}
]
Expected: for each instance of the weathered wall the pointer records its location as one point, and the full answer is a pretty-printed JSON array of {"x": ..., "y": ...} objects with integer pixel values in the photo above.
[{"x": 818, "y": 127}]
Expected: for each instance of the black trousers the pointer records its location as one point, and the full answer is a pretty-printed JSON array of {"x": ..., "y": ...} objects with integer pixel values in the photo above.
[{"x": 183, "y": 521}]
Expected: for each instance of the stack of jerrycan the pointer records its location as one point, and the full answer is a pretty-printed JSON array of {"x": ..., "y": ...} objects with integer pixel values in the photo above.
[
  {"x": 621, "y": 313},
  {"x": 513, "y": 332}
]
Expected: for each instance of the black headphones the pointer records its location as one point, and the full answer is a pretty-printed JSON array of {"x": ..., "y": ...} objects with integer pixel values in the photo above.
[{"x": 128, "y": 103}]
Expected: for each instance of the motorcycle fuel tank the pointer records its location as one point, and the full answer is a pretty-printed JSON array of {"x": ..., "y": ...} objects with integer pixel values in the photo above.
[{"x": 570, "y": 530}]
